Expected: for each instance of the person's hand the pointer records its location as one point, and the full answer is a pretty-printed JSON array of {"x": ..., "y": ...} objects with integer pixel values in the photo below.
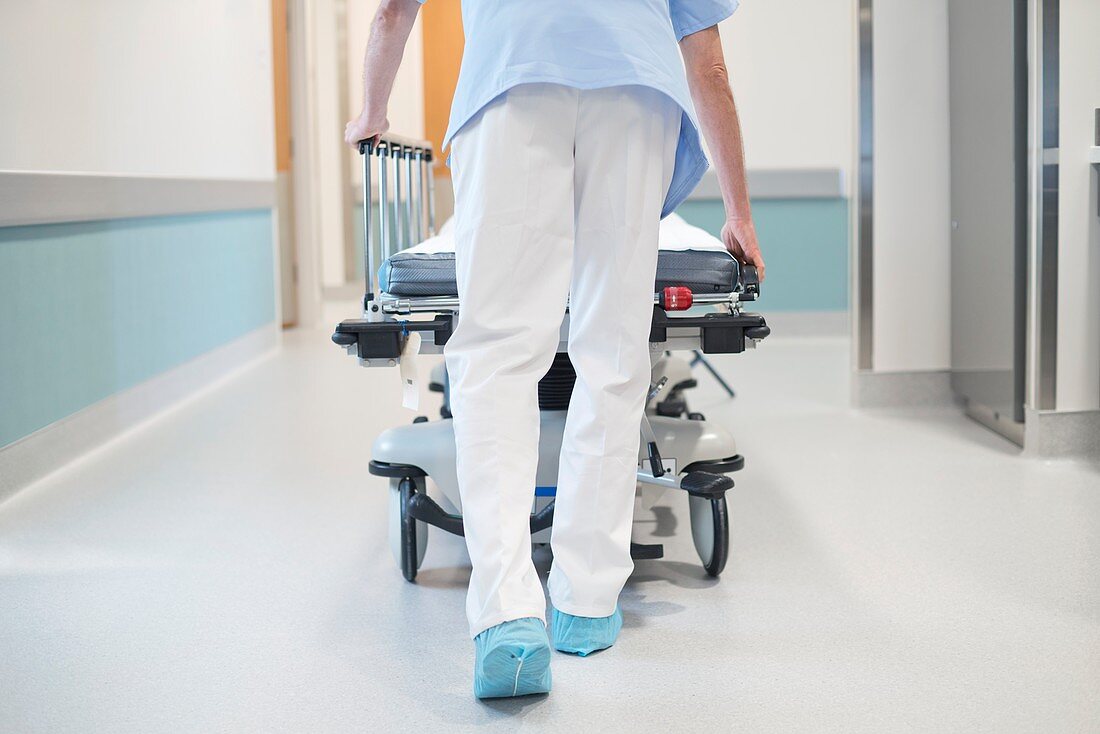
[
  {"x": 364, "y": 128},
  {"x": 739, "y": 237}
]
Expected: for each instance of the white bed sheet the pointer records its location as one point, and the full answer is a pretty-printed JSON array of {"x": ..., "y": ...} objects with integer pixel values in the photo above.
[{"x": 676, "y": 234}]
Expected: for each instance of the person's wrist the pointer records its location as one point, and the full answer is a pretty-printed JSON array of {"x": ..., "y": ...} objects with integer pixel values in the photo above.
[
  {"x": 370, "y": 118},
  {"x": 738, "y": 211}
]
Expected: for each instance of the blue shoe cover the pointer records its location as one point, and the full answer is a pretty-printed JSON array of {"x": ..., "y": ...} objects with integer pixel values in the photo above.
[
  {"x": 585, "y": 635},
  {"x": 512, "y": 659}
]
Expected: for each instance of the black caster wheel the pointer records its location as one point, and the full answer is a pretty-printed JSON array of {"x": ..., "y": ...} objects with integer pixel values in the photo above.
[
  {"x": 710, "y": 530},
  {"x": 672, "y": 406},
  {"x": 408, "y": 536},
  {"x": 420, "y": 419}
]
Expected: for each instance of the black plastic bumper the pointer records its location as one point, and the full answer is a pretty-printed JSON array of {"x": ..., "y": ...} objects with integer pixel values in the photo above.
[
  {"x": 720, "y": 333},
  {"x": 384, "y": 339}
]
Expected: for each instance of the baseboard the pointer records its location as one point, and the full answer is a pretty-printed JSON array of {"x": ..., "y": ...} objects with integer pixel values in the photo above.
[
  {"x": 49, "y": 449},
  {"x": 902, "y": 389},
  {"x": 996, "y": 421},
  {"x": 804, "y": 324},
  {"x": 1052, "y": 435}
]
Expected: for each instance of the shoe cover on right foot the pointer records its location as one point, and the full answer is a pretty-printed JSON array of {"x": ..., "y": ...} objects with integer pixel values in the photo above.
[
  {"x": 512, "y": 659},
  {"x": 585, "y": 635}
]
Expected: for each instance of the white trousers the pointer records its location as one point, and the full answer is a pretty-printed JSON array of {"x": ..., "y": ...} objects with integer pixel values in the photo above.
[{"x": 558, "y": 194}]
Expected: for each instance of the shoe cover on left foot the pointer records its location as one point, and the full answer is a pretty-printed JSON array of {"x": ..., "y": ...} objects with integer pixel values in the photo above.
[
  {"x": 585, "y": 635},
  {"x": 512, "y": 659}
]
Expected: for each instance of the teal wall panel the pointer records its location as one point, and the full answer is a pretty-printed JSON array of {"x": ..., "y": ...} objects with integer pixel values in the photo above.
[
  {"x": 91, "y": 308},
  {"x": 805, "y": 246}
]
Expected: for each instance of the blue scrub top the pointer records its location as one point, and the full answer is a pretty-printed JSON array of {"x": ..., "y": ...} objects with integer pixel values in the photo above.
[{"x": 587, "y": 44}]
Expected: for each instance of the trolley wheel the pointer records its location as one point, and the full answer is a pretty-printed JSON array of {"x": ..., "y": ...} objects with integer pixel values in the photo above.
[
  {"x": 710, "y": 529},
  {"x": 408, "y": 537},
  {"x": 672, "y": 406}
]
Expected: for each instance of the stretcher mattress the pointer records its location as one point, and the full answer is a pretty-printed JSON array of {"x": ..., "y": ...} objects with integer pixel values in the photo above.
[{"x": 688, "y": 256}]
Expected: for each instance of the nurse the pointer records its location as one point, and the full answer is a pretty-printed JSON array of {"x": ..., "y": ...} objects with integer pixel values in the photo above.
[{"x": 575, "y": 128}]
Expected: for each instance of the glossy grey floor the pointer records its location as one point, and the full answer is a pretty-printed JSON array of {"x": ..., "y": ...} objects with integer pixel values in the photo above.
[{"x": 225, "y": 569}]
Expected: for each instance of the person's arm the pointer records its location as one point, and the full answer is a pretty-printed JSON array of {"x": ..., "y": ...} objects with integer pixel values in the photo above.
[
  {"x": 388, "y": 34},
  {"x": 710, "y": 91}
]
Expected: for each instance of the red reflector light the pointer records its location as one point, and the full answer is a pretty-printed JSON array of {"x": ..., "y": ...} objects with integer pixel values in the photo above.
[{"x": 676, "y": 298}]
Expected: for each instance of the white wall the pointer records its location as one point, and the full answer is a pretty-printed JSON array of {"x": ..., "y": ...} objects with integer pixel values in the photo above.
[
  {"x": 790, "y": 63},
  {"x": 1078, "y": 381},
  {"x": 180, "y": 89},
  {"x": 912, "y": 197},
  {"x": 330, "y": 115}
]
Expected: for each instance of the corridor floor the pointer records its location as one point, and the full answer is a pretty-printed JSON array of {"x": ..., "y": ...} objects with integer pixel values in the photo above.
[{"x": 225, "y": 568}]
